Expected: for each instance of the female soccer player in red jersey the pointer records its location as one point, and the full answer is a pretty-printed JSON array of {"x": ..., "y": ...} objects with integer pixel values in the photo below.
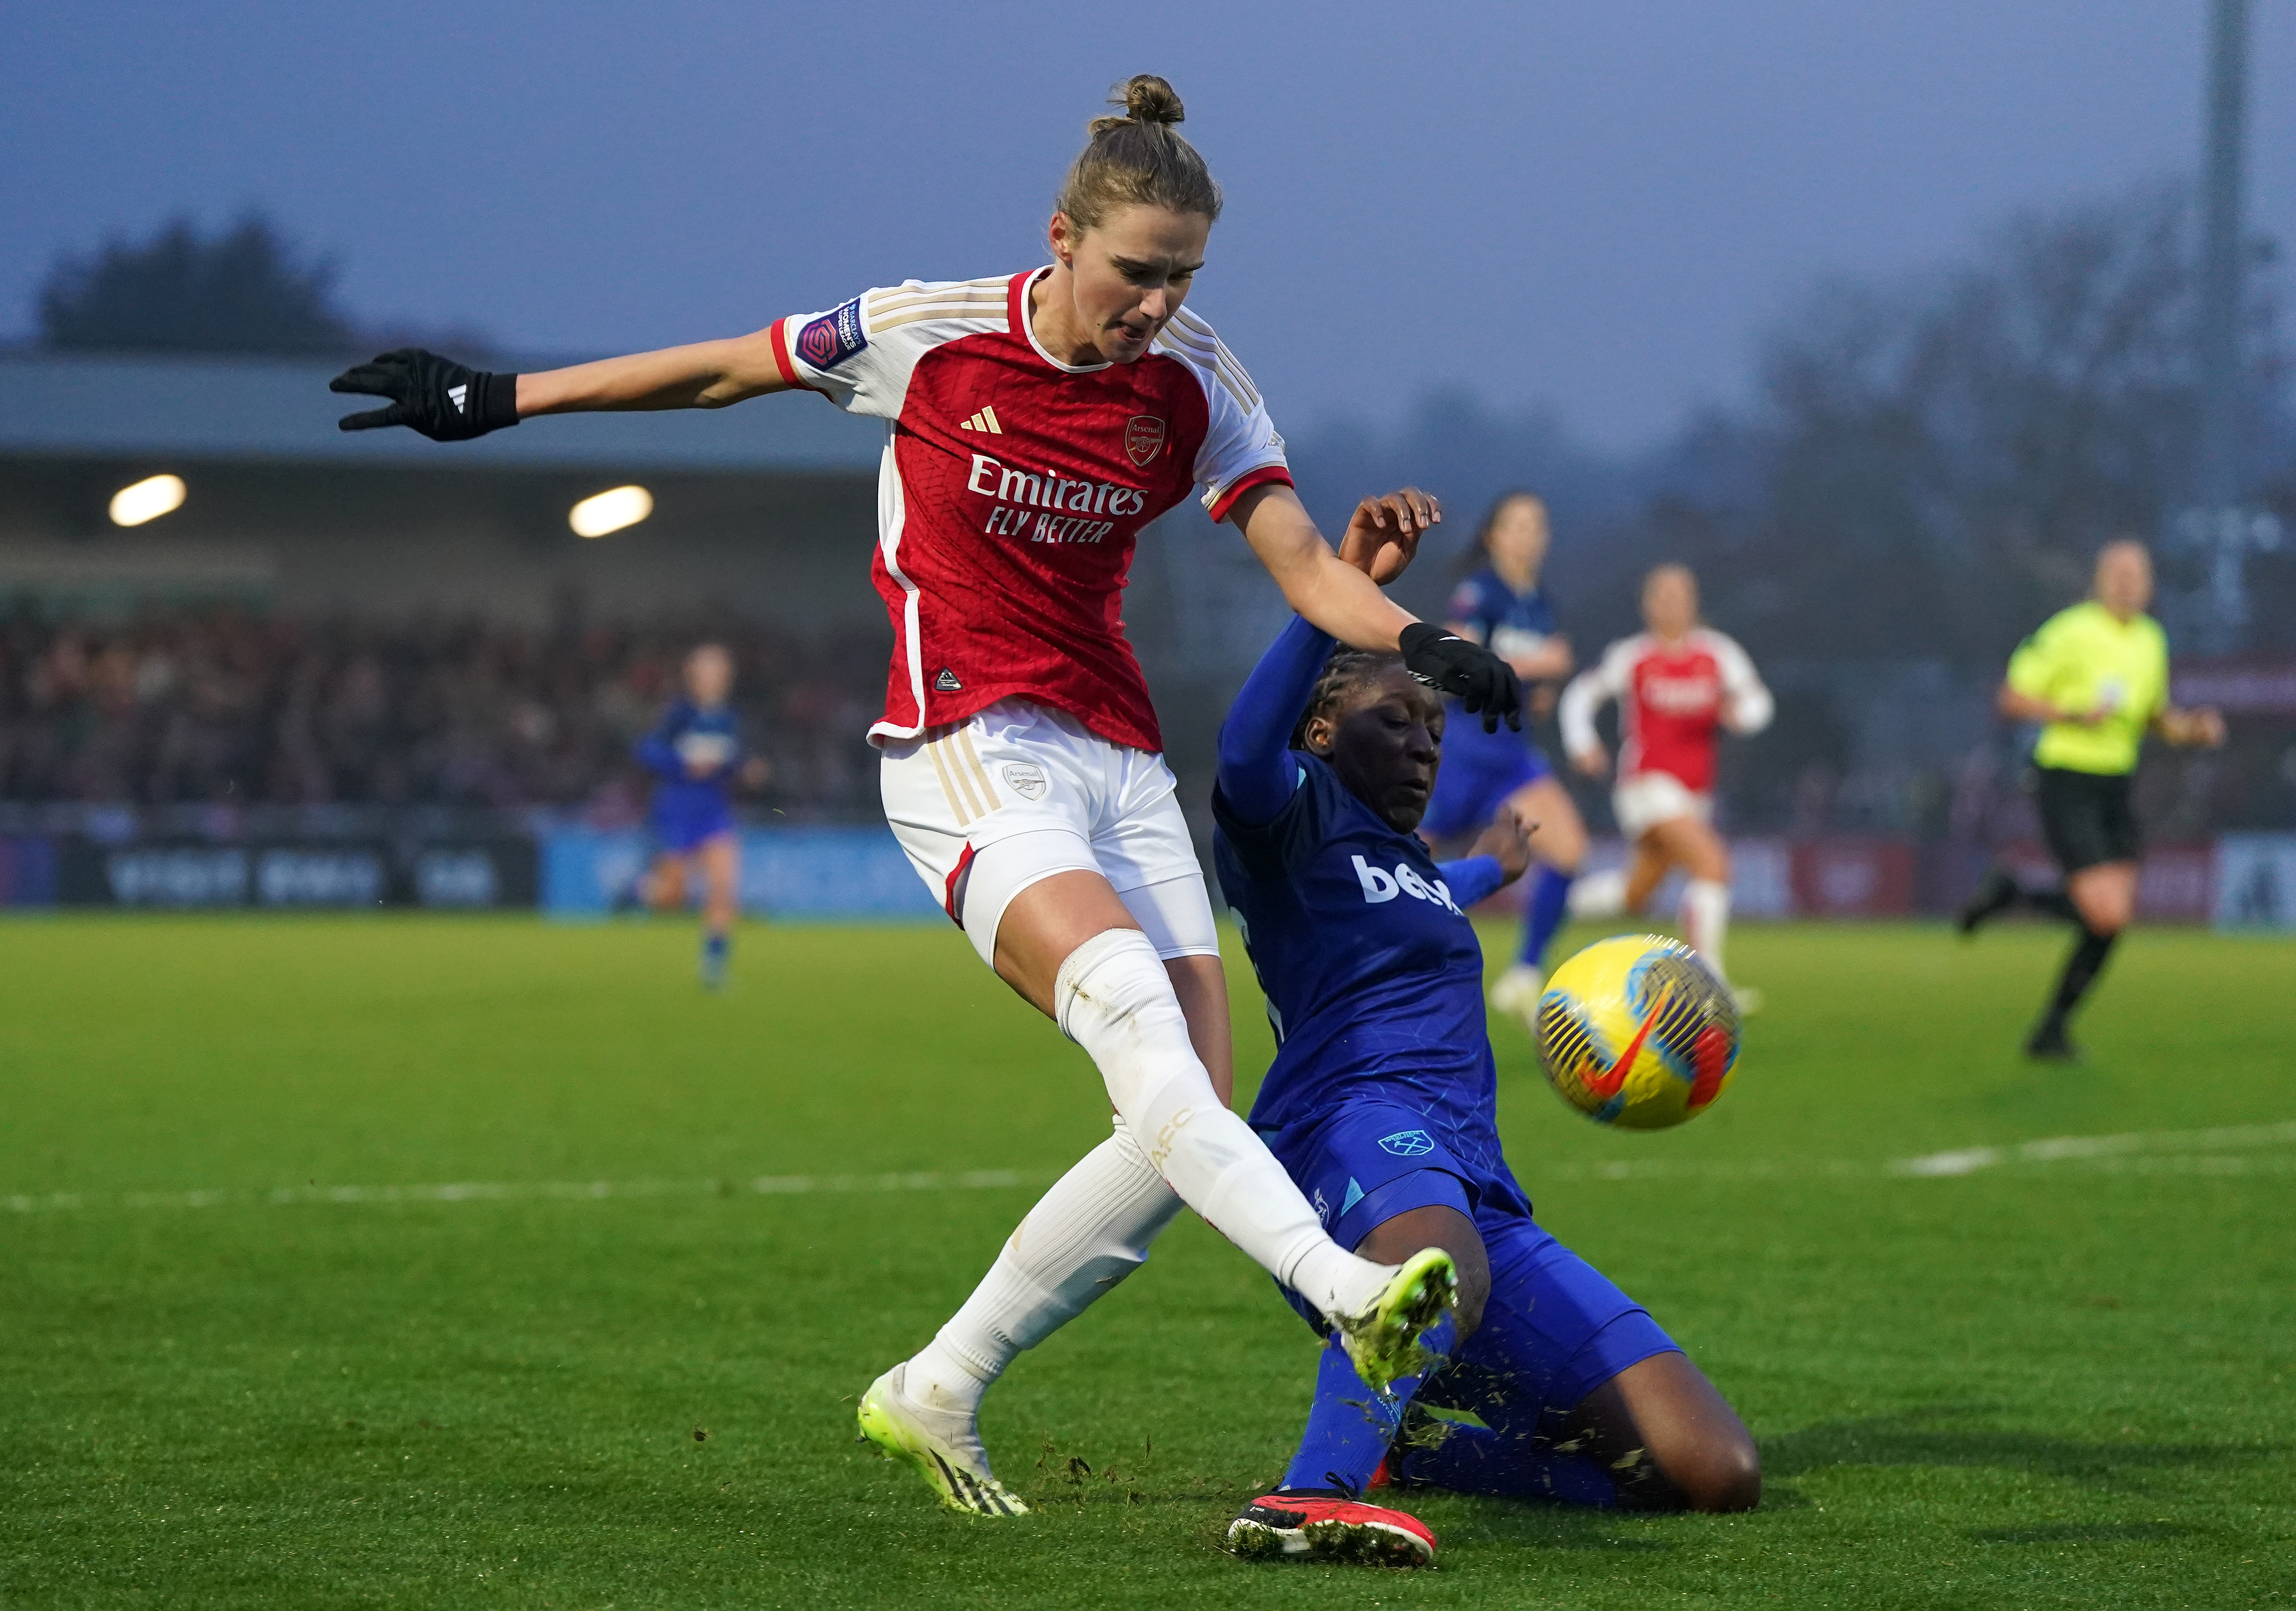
[
  {"x": 1036, "y": 422},
  {"x": 1677, "y": 684}
]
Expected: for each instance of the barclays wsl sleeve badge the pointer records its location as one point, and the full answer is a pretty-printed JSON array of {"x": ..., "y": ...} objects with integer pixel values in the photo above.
[
  {"x": 832, "y": 338},
  {"x": 1143, "y": 438}
]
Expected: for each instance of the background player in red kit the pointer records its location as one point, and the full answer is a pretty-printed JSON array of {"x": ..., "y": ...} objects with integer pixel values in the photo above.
[
  {"x": 1035, "y": 422},
  {"x": 1677, "y": 684}
]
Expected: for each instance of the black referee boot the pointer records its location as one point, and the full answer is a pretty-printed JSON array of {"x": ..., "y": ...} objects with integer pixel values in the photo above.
[
  {"x": 1994, "y": 894},
  {"x": 2049, "y": 1043}
]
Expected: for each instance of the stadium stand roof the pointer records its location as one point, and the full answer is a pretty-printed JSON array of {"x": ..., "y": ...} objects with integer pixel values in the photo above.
[{"x": 108, "y": 406}]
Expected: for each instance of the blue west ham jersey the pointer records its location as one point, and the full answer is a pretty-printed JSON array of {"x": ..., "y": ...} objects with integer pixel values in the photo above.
[
  {"x": 1372, "y": 975},
  {"x": 1505, "y": 622},
  {"x": 687, "y": 809}
]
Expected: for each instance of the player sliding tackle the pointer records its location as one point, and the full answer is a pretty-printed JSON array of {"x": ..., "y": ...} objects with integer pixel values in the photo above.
[
  {"x": 1035, "y": 422},
  {"x": 1382, "y": 1104}
]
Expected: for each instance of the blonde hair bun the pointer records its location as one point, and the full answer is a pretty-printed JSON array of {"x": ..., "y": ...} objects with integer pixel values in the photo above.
[
  {"x": 1138, "y": 158},
  {"x": 1148, "y": 101}
]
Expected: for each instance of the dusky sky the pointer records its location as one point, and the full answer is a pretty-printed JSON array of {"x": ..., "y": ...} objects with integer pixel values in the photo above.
[{"x": 1598, "y": 206}]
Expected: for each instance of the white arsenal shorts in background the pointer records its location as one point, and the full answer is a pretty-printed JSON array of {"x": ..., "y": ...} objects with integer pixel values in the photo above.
[
  {"x": 1046, "y": 795},
  {"x": 1644, "y": 800}
]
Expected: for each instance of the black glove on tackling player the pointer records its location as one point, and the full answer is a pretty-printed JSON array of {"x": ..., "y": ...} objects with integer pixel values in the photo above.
[
  {"x": 437, "y": 396},
  {"x": 1470, "y": 673}
]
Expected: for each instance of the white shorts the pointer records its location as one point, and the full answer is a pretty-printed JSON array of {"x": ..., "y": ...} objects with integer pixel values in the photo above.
[
  {"x": 1020, "y": 791},
  {"x": 1644, "y": 800}
]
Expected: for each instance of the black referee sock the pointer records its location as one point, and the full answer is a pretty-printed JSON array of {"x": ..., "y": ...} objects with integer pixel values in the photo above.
[
  {"x": 2057, "y": 903},
  {"x": 2081, "y": 969}
]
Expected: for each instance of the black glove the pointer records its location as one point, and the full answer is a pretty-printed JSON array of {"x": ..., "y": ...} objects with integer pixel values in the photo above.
[
  {"x": 436, "y": 396},
  {"x": 1470, "y": 673}
]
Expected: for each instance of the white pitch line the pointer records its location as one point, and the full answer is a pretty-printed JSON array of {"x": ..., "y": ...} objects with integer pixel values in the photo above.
[
  {"x": 2215, "y": 1152},
  {"x": 518, "y": 1191},
  {"x": 2223, "y": 1151},
  {"x": 2058, "y": 1149}
]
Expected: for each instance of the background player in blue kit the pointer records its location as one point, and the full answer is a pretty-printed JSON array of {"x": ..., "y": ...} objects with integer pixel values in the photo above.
[
  {"x": 695, "y": 755},
  {"x": 1382, "y": 1104},
  {"x": 1503, "y": 607}
]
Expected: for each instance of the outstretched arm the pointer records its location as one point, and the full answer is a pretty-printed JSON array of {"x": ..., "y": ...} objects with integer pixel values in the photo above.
[
  {"x": 1257, "y": 773},
  {"x": 451, "y": 402},
  {"x": 1346, "y": 602},
  {"x": 703, "y": 375},
  {"x": 1317, "y": 583}
]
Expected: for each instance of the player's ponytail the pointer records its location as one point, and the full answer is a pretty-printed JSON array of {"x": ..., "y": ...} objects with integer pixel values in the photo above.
[{"x": 1139, "y": 160}]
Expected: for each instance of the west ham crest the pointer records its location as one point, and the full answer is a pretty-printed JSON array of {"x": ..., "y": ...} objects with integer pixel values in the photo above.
[{"x": 1144, "y": 438}]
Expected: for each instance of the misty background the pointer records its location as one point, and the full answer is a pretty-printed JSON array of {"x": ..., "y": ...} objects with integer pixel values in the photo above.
[{"x": 1882, "y": 317}]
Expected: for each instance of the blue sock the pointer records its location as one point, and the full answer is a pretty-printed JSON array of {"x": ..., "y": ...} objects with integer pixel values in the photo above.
[
  {"x": 1349, "y": 1428},
  {"x": 1543, "y": 913},
  {"x": 714, "y": 950}
]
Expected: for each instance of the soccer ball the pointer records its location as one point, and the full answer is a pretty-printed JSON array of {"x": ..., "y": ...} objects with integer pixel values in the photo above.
[{"x": 1637, "y": 1031}]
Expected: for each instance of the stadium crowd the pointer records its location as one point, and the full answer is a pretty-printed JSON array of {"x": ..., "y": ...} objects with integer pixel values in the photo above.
[
  {"x": 224, "y": 706},
  {"x": 196, "y": 707}
]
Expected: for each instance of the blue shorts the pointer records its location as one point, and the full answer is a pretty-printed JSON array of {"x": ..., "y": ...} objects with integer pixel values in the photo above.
[
  {"x": 1555, "y": 1328},
  {"x": 1366, "y": 1162},
  {"x": 1476, "y": 777},
  {"x": 684, "y": 829}
]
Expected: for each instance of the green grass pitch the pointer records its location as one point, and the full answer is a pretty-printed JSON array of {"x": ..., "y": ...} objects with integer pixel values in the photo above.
[{"x": 243, "y": 1364}]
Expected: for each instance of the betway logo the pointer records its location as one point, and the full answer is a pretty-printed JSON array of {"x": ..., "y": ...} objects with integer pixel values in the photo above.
[
  {"x": 1380, "y": 885},
  {"x": 1049, "y": 508}
]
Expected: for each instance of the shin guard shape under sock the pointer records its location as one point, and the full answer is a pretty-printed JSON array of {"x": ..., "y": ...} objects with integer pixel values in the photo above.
[
  {"x": 1113, "y": 998},
  {"x": 1348, "y": 1426},
  {"x": 1085, "y": 1235}
]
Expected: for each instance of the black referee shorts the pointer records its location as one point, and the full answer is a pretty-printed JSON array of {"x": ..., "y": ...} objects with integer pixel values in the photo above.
[{"x": 2087, "y": 817}]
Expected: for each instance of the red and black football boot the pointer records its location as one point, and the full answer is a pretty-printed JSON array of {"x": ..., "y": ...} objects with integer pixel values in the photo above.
[{"x": 1326, "y": 1525}]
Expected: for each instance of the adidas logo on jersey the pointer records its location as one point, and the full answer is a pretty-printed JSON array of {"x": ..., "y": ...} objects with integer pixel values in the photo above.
[
  {"x": 986, "y": 420},
  {"x": 456, "y": 394},
  {"x": 947, "y": 682}
]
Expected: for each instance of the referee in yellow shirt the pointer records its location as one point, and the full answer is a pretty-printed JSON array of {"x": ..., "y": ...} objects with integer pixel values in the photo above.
[{"x": 2096, "y": 678}]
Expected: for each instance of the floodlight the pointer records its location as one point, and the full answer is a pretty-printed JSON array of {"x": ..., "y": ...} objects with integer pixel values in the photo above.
[
  {"x": 611, "y": 511},
  {"x": 147, "y": 501}
]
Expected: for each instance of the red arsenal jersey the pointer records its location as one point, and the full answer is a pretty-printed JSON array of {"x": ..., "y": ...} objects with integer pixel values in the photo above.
[
  {"x": 1013, "y": 488},
  {"x": 1671, "y": 698}
]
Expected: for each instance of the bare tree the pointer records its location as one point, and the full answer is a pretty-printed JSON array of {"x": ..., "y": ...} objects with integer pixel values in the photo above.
[
  {"x": 1931, "y": 464},
  {"x": 245, "y": 290}
]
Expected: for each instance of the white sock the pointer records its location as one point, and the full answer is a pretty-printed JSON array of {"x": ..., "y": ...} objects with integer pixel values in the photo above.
[
  {"x": 1083, "y": 1237},
  {"x": 1706, "y": 920},
  {"x": 1114, "y": 998},
  {"x": 1599, "y": 894}
]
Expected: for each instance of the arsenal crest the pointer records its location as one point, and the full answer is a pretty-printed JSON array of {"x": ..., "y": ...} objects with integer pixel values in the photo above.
[{"x": 1144, "y": 438}]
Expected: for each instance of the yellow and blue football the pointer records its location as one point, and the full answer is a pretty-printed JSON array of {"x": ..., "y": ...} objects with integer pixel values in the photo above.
[{"x": 1637, "y": 1031}]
